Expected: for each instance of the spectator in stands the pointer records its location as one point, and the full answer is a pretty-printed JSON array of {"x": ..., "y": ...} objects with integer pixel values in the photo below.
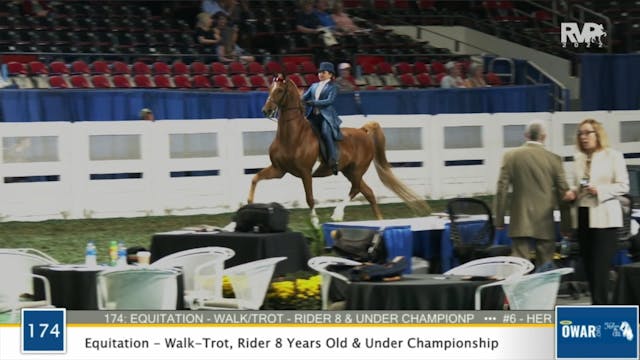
[
  {"x": 319, "y": 99},
  {"x": 322, "y": 12},
  {"x": 306, "y": 20},
  {"x": 343, "y": 22},
  {"x": 537, "y": 178},
  {"x": 600, "y": 174},
  {"x": 346, "y": 81},
  {"x": 475, "y": 78},
  {"x": 228, "y": 49},
  {"x": 147, "y": 115},
  {"x": 453, "y": 79},
  {"x": 208, "y": 38}
]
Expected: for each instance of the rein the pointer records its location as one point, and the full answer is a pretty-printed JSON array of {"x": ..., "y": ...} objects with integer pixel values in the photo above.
[{"x": 279, "y": 106}]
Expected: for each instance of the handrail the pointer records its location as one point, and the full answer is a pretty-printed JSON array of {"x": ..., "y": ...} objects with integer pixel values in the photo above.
[
  {"x": 456, "y": 42},
  {"x": 560, "y": 93},
  {"x": 607, "y": 20}
]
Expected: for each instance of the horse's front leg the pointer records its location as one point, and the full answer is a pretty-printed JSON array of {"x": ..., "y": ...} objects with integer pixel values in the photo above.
[
  {"x": 267, "y": 173},
  {"x": 308, "y": 192}
]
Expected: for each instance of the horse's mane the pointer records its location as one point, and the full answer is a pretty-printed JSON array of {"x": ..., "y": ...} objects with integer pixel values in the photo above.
[{"x": 295, "y": 91}]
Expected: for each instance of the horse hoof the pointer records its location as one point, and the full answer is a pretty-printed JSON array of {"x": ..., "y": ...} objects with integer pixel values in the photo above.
[{"x": 337, "y": 218}]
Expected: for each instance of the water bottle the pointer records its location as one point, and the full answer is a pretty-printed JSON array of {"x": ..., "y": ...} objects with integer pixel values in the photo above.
[
  {"x": 113, "y": 253},
  {"x": 122, "y": 254},
  {"x": 90, "y": 254}
]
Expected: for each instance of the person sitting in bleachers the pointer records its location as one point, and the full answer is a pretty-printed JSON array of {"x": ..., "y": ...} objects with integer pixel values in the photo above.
[
  {"x": 475, "y": 78},
  {"x": 322, "y": 12},
  {"x": 453, "y": 79},
  {"x": 306, "y": 20},
  {"x": 344, "y": 23},
  {"x": 345, "y": 81},
  {"x": 205, "y": 35},
  {"x": 228, "y": 49}
]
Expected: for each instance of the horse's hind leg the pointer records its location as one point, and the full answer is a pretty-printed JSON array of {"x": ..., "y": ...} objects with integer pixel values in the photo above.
[
  {"x": 269, "y": 172},
  {"x": 338, "y": 212},
  {"x": 371, "y": 198}
]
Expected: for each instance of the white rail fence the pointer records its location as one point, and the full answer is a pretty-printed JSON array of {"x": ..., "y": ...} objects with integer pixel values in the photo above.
[{"x": 75, "y": 164}]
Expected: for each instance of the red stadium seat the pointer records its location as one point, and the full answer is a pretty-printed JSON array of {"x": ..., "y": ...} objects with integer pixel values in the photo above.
[
  {"x": 407, "y": 80},
  {"x": 368, "y": 68},
  {"x": 143, "y": 81},
  {"x": 273, "y": 67},
  {"x": 100, "y": 82},
  {"x": 240, "y": 82},
  {"x": 162, "y": 81},
  {"x": 80, "y": 82},
  {"x": 258, "y": 83},
  {"x": 118, "y": 67},
  {"x": 218, "y": 68},
  {"x": 222, "y": 81},
  {"x": 58, "y": 68},
  {"x": 311, "y": 78},
  {"x": 199, "y": 68},
  {"x": 16, "y": 68},
  {"x": 121, "y": 81},
  {"x": 236, "y": 67},
  {"x": 424, "y": 80},
  {"x": 308, "y": 67},
  {"x": 298, "y": 80},
  {"x": 436, "y": 68},
  {"x": 100, "y": 67},
  {"x": 182, "y": 81},
  {"x": 255, "y": 68},
  {"x": 58, "y": 82},
  {"x": 179, "y": 68},
  {"x": 140, "y": 68},
  {"x": 37, "y": 68},
  {"x": 419, "y": 67},
  {"x": 201, "y": 82},
  {"x": 160, "y": 68},
  {"x": 80, "y": 67},
  {"x": 404, "y": 68},
  {"x": 384, "y": 68},
  {"x": 290, "y": 67}
]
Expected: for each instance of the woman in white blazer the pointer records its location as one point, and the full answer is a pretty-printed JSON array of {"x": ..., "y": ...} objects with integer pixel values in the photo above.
[{"x": 599, "y": 174}]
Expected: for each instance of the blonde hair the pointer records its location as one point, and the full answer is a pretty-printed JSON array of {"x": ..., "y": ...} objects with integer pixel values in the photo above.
[
  {"x": 601, "y": 135},
  {"x": 202, "y": 17}
]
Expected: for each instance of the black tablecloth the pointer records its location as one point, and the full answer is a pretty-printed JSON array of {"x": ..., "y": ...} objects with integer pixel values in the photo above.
[
  {"x": 248, "y": 247},
  {"x": 421, "y": 292},
  {"x": 75, "y": 288},
  {"x": 627, "y": 291}
]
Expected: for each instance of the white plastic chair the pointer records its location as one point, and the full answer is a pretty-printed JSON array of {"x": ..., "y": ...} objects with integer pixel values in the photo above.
[
  {"x": 529, "y": 292},
  {"x": 17, "y": 279},
  {"x": 250, "y": 282},
  {"x": 500, "y": 267},
  {"x": 201, "y": 269},
  {"x": 319, "y": 264},
  {"x": 137, "y": 288}
]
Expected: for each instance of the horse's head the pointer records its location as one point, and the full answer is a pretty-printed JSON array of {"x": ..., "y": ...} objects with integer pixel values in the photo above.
[{"x": 283, "y": 94}]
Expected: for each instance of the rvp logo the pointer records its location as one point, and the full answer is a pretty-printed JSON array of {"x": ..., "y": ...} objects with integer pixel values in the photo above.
[{"x": 591, "y": 33}]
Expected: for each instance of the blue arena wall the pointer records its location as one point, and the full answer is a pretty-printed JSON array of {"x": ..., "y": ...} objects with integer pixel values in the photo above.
[{"x": 111, "y": 105}]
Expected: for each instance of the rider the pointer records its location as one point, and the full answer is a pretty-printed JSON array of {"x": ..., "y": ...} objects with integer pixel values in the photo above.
[{"x": 319, "y": 99}]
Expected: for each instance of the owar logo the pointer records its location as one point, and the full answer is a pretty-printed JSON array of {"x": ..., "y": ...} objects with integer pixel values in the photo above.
[
  {"x": 596, "y": 332},
  {"x": 591, "y": 33}
]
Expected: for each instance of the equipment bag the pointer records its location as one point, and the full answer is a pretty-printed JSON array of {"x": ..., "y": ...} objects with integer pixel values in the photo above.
[
  {"x": 364, "y": 245},
  {"x": 263, "y": 218}
]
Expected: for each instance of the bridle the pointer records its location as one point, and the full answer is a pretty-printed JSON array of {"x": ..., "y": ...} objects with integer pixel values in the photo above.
[{"x": 278, "y": 103}]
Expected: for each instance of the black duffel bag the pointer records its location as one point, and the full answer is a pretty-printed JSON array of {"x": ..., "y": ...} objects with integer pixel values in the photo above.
[
  {"x": 364, "y": 245},
  {"x": 264, "y": 218}
]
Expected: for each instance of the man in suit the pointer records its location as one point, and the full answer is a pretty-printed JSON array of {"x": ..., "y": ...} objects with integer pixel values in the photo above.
[
  {"x": 538, "y": 180},
  {"x": 319, "y": 99}
]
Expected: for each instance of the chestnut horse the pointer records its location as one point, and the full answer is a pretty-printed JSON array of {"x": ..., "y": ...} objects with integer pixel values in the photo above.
[{"x": 295, "y": 150}]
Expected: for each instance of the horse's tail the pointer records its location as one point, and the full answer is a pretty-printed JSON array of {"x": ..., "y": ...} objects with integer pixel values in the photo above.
[{"x": 388, "y": 178}]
